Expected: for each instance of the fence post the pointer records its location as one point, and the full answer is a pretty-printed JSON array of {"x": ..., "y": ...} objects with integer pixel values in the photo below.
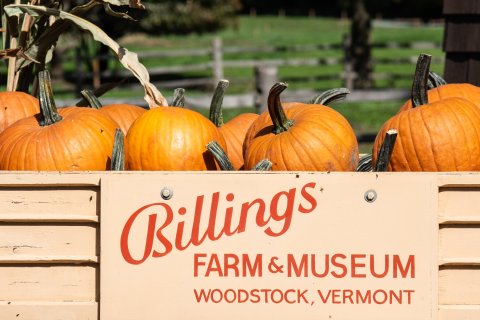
[
  {"x": 217, "y": 60},
  {"x": 96, "y": 72},
  {"x": 265, "y": 77},
  {"x": 348, "y": 74}
]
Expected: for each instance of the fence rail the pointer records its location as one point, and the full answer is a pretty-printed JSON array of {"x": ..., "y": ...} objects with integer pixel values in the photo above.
[{"x": 215, "y": 60}]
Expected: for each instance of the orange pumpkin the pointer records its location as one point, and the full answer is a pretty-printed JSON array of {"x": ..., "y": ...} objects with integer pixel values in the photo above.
[
  {"x": 442, "y": 135},
  {"x": 71, "y": 139},
  {"x": 439, "y": 89},
  {"x": 306, "y": 137},
  {"x": 123, "y": 114},
  {"x": 16, "y": 105},
  {"x": 461, "y": 90},
  {"x": 233, "y": 131},
  {"x": 171, "y": 138}
]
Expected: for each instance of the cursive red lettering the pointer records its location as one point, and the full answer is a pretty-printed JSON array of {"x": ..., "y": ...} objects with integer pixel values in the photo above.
[{"x": 152, "y": 219}]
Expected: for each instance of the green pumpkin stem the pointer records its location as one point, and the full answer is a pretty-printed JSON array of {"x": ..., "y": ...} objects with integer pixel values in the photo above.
[
  {"x": 435, "y": 81},
  {"x": 118, "y": 153},
  {"x": 48, "y": 109},
  {"x": 330, "y": 96},
  {"x": 92, "y": 100},
  {"x": 386, "y": 150},
  {"x": 263, "y": 165},
  {"x": 216, "y": 110},
  {"x": 178, "y": 97},
  {"x": 280, "y": 121},
  {"x": 220, "y": 156},
  {"x": 419, "y": 86},
  {"x": 365, "y": 163}
]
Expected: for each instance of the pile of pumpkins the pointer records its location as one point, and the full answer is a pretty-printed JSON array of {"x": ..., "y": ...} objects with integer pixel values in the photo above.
[{"x": 438, "y": 129}]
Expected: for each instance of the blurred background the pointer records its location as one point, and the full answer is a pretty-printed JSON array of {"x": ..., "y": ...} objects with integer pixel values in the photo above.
[{"x": 367, "y": 46}]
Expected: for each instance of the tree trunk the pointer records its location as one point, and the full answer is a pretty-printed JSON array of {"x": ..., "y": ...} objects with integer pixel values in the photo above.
[{"x": 361, "y": 47}]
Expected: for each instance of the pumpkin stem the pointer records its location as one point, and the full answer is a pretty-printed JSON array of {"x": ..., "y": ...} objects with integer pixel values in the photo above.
[
  {"x": 220, "y": 155},
  {"x": 178, "y": 97},
  {"x": 435, "y": 81},
  {"x": 48, "y": 109},
  {"x": 386, "y": 150},
  {"x": 263, "y": 165},
  {"x": 279, "y": 118},
  {"x": 419, "y": 86},
  {"x": 91, "y": 98},
  {"x": 216, "y": 112},
  {"x": 118, "y": 153},
  {"x": 330, "y": 96},
  {"x": 365, "y": 163}
]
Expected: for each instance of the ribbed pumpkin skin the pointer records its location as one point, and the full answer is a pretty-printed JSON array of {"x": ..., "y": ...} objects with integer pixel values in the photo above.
[
  {"x": 15, "y": 106},
  {"x": 320, "y": 139},
  {"x": 234, "y": 132},
  {"x": 83, "y": 140},
  {"x": 171, "y": 139},
  {"x": 439, "y": 136},
  {"x": 123, "y": 114},
  {"x": 451, "y": 90}
]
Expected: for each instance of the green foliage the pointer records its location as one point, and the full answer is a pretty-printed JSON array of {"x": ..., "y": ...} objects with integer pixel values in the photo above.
[{"x": 184, "y": 17}]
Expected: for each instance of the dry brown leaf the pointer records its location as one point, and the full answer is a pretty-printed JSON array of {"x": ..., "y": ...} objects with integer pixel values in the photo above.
[
  {"x": 131, "y": 3},
  {"x": 9, "y": 53},
  {"x": 128, "y": 59}
]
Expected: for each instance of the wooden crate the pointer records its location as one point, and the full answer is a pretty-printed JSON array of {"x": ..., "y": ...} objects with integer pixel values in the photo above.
[
  {"x": 49, "y": 246},
  {"x": 459, "y": 246},
  {"x": 50, "y": 237}
]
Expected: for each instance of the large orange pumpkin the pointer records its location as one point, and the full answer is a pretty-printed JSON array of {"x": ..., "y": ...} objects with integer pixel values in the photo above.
[
  {"x": 171, "y": 139},
  {"x": 442, "y": 135},
  {"x": 306, "y": 137},
  {"x": 233, "y": 131},
  {"x": 16, "y": 105},
  {"x": 441, "y": 90},
  {"x": 71, "y": 139},
  {"x": 123, "y": 114}
]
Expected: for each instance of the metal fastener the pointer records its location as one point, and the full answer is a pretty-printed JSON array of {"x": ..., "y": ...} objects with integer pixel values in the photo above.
[
  {"x": 370, "y": 195},
  {"x": 166, "y": 193}
]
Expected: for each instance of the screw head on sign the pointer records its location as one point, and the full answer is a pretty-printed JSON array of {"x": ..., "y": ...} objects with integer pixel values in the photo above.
[
  {"x": 166, "y": 193},
  {"x": 370, "y": 195}
]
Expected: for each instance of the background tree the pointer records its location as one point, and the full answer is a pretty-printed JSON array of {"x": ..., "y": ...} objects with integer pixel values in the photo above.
[
  {"x": 360, "y": 48},
  {"x": 170, "y": 17}
]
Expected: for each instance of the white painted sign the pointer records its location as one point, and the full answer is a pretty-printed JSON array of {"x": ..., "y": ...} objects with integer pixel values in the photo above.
[{"x": 268, "y": 246}]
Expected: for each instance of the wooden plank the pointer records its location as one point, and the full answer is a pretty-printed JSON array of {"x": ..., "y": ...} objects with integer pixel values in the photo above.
[
  {"x": 283, "y": 62},
  {"x": 174, "y": 53},
  {"x": 205, "y": 66},
  {"x": 26, "y": 178},
  {"x": 456, "y": 67},
  {"x": 461, "y": 34},
  {"x": 48, "y": 283},
  {"x": 44, "y": 217},
  {"x": 50, "y": 259},
  {"x": 49, "y": 200},
  {"x": 473, "y": 67},
  {"x": 455, "y": 7},
  {"x": 460, "y": 244},
  {"x": 39, "y": 310},
  {"x": 246, "y": 100},
  {"x": 456, "y": 202},
  {"x": 19, "y": 242},
  {"x": 459, "y": 285},
  {"x": 459, "y": 312}
]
